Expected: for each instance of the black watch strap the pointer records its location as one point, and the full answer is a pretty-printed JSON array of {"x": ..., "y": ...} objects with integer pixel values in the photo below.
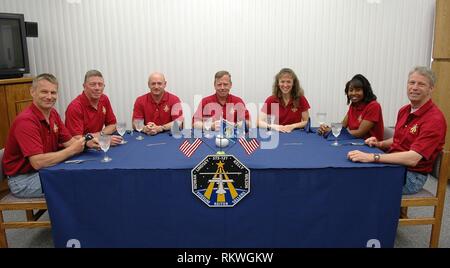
[{"x": 87, "y": 138}]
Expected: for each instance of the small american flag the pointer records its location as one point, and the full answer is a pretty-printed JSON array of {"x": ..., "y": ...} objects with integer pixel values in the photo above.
[
  {"x": 189, "y": 149},
  {"x": 249, "y": 146}
]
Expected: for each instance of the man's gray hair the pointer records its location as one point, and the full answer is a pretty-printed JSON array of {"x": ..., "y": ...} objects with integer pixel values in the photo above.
[
  {"x": 424, "y": 71},
  {"x": 45, "y": 76},
  {"x": 92, "y": 73},
  {"x": 221, "y": 74}
]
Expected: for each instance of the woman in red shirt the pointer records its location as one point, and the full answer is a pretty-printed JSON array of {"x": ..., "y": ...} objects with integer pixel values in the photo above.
[
  {"x": 364, "y": 118},
  {"x": 287, "y": 105}
]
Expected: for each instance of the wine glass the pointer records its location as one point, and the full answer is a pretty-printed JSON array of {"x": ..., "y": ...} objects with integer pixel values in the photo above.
[
  {"x": 105, "y": 142},
  {"x": 139, "y": 125},
  {"x": 240, "y": 129},
  {"x": 121, "y": 129},
  {"x": 336, "y": 130},
  {"x": 270, "y": 121},
  {"x": 207, "y": 124},
  {"x": 321, "y": 118}
]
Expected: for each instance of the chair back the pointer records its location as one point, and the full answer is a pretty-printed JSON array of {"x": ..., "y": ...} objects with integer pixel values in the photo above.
[
  {"x": 9, "y": 202},
  {"x": 2, "y": 151},
  {"x": 388, "y": 132},
  {"x": 4, "y": 189},
  {"x": 437, "y": 166},
  {"x": 426, "y": 198}
]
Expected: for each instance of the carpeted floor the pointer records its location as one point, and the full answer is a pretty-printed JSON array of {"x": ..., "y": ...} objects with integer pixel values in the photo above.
[{"x": 419, "y": 236}]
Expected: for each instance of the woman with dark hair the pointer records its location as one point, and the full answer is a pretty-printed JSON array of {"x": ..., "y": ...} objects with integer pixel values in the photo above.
[
  {"x": 364, "y": 118},
  {"x": 287, "y": 105}
]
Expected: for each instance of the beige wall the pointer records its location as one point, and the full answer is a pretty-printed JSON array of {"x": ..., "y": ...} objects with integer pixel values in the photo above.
[{"x": 325, "y": 41}]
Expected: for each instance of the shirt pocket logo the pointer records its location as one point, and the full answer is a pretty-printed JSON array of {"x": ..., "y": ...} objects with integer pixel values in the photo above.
[{"x": 414, "y": 130}]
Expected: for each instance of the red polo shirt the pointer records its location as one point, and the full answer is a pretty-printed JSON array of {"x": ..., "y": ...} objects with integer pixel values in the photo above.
[
  {"x": 83, "y": 118},
  {"x": 29, "y": 135},
  {"x": 366, "y": 111},
  {"x": 234, "y": 109},
  {"x": 422, "y": 132},
  {"x": 159, "y": 113},
  {"x": 288, "y": 114}
]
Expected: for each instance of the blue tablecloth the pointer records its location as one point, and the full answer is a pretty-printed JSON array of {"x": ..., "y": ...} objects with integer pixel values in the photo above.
[{"x": 304, "y": 193}]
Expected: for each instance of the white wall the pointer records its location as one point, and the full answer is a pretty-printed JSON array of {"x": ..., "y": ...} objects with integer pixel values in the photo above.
[{"x": 325, "y": 41}]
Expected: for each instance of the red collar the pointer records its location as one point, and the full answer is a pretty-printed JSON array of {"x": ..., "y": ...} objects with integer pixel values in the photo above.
[
  {"x": 38, "y": 112},
  {"x": 85, "y": 101},
  {"x": 164, "y": 98},
  {"x": 359, "y": 106},
  {"x": 280, "y": 101},
  {"x": 422, "y": 110},
  {"x": 228, "y": 100}
]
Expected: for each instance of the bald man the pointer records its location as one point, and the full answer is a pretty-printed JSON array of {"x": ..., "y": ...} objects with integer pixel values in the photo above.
[{"x": 158, "y": 108}]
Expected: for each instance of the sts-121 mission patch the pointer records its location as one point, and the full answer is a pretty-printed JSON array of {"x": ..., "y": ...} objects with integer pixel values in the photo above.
[{"x": 220, "y": 181}]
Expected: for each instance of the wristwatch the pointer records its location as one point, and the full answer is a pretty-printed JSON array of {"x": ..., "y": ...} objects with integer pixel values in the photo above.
[
  {"x": 87, "y": 138},
  {"x": 376, "y": 158}
]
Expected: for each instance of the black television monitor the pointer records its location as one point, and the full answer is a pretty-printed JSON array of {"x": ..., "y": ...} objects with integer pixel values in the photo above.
[{"x": 13, "y": 46}]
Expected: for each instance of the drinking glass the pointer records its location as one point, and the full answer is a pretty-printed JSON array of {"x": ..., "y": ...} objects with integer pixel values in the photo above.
[
  {"x": 240, "y": 129},
  {"x": 139, "y": 125},
  {"x": 105, "y": 142},
  {"x": 321, "y": 118},
  {"x": 336, "y": 130},
  {"x": 121, "y": 129},
  {"x": 207, "y": 124},
  {"x": 270, "y": 121},
  {"x": 175, "y": 129}
]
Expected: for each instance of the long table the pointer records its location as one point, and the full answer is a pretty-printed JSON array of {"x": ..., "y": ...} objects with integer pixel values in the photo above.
[{"x": 304, "y": 193}]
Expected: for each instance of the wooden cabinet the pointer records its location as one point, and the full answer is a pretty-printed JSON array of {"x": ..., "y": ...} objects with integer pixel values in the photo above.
[
  {"x": 14, "y": 97},
  {"x": 441, "y": 66}
]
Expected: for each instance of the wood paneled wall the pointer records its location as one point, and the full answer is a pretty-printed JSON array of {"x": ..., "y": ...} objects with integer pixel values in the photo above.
[
  {"x": 441, "y": 61},
  {"x": 441, "y": 66}
]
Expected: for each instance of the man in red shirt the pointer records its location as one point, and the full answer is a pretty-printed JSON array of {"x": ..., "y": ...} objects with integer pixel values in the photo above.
[
  {"x": 91, "y": 111},
  {"x": 158, "y": 108},
  {"x": 221, "y": 105},
  {"x": 419, "y": 133},
  {"x": 34, "y": 139}
]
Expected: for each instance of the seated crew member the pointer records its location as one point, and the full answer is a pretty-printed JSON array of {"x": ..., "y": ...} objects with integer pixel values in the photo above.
[
  {"x": 419, "y": 133},
  {"x": 289, "y": 104},
  {"x": 364, "y": 118},
  {"x": 222, "y": 104},
  {"x": 34, "y": 139},
  {"x": 159, "y": 108},
  {"x": 91, "y": 111}
]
